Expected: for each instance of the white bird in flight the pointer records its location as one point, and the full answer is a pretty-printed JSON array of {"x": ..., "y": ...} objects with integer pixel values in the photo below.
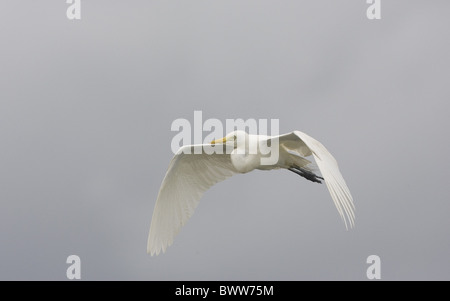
[{"x": 191, "y": 173}]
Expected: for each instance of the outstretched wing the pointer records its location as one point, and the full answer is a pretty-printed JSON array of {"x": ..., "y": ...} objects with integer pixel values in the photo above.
[
  {"x": 305, "y": 145},
  {"x": 188, "y": 177}
]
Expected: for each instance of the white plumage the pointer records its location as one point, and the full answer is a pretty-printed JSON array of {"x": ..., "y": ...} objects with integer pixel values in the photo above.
[{"x": 191, "y": 173}]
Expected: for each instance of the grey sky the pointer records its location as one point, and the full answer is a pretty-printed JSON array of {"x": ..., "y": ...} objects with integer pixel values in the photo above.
[{"x": 85, "y": 114}]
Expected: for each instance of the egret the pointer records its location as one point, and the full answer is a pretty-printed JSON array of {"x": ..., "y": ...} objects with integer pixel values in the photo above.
[{"x": 191, "y": 172}]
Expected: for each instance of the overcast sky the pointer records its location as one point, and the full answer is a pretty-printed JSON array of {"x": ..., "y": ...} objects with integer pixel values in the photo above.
[{"x": 86, "y": 108}]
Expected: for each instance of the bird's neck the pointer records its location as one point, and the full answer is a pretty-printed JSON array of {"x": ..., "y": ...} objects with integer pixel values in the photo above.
[{"x": 246, "y": 156}]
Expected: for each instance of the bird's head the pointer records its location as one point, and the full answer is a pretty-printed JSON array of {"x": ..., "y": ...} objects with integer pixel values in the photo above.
[{"x": 232, "y": 138}]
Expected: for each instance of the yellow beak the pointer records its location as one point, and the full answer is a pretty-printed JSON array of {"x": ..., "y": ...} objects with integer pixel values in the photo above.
[{"x": 219, "y": 141}]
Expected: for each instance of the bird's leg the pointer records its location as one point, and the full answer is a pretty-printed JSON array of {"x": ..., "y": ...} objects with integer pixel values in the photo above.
[{"x": 309, "y": 175}]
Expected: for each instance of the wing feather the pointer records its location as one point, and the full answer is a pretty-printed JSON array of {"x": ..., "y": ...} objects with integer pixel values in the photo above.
[
  {"x": 187, "y": 178},
  {"x": 306, "y": 146}
]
